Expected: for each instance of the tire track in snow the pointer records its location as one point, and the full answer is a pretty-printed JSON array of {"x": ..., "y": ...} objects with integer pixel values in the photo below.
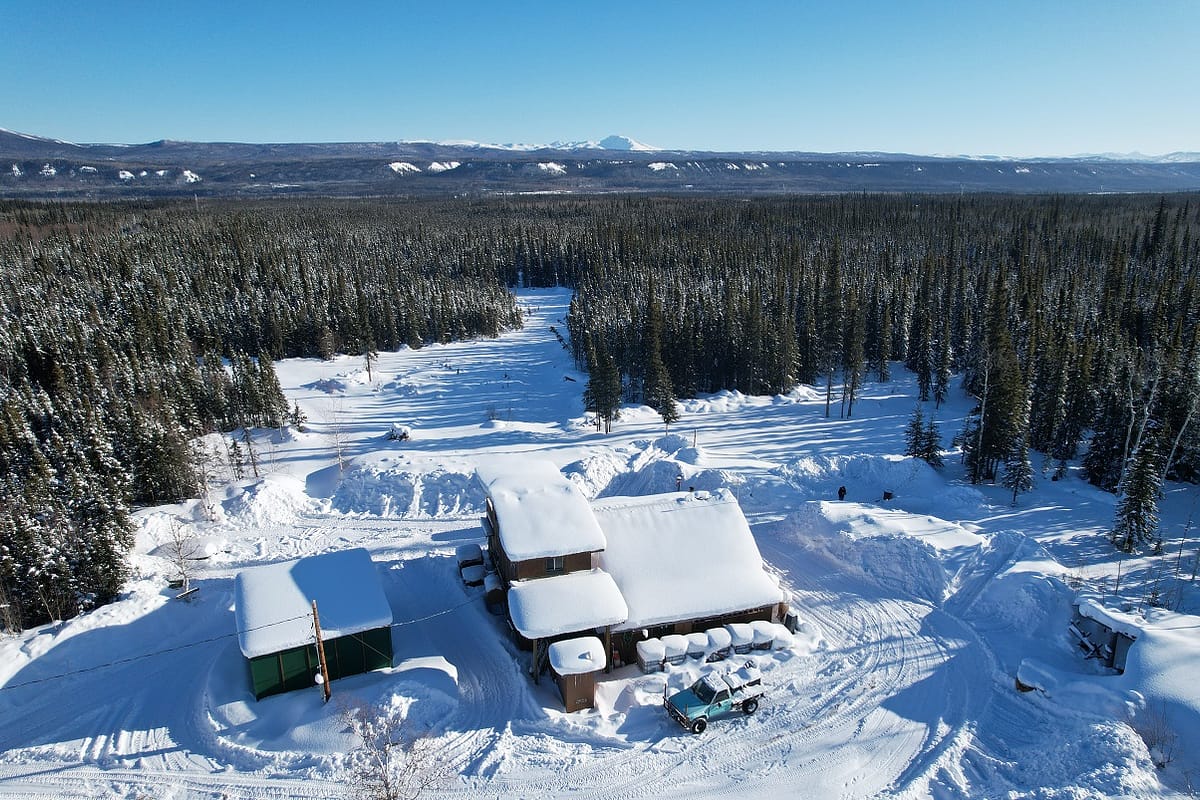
[{"x": 879, "y": 649}]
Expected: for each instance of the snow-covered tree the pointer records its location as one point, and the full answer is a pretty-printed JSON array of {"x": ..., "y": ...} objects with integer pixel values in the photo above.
[
  {"x": 1018, "y": 471},
  {"x": 1136, "y": 521}
]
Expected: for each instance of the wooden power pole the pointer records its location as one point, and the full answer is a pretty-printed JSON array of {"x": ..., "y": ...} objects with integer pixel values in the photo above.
[{"x": 321, "y": 654}]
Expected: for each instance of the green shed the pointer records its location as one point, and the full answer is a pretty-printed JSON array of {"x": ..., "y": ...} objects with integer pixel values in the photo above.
[{"x": 273, "y": 608}]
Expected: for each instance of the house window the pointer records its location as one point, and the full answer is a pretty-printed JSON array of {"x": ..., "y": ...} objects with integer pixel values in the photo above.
[{"x": 554, "y": 564}]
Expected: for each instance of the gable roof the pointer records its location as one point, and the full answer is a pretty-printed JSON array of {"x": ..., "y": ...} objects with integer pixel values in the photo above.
[
  {"x": 540, "y": 512},
  {"x": 682, "y": 556},
  {"x": 273, "y": 603}
]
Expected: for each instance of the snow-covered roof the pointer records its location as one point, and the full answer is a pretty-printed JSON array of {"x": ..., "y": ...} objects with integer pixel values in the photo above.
[
  {"x": 577, "y": 601},
  {"x": 682, "y": 556},
  {"x": 540, "y": 512},
  {"x": 577, "y": 656},
  {"x": 273, "y": 603},
  {"x": 1117, "y": 621}
]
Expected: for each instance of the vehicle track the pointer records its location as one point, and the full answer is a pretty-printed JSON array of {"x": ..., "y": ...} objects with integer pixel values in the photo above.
[{"x": 841, "y": 705}]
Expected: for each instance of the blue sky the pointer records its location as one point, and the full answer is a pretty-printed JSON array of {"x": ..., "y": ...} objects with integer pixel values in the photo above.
[{"x": 1012, "y": 78}]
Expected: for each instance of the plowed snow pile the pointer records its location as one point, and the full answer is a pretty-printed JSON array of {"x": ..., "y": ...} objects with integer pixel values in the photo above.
[
  {"x": 387, "y": 485},
  {"x": 912, "y": 484},
  {"x": 661, "y": 465}
]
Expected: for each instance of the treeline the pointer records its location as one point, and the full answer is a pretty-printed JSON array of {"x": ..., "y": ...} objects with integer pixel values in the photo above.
[
  {"x": 129, "y": 330},
  {"x": 1073, "y": 319}
]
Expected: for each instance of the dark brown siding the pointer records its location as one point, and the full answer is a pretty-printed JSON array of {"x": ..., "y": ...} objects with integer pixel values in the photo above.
[
  {"x": 536, "y": 567},
  {"x": 578, "y": 691}
]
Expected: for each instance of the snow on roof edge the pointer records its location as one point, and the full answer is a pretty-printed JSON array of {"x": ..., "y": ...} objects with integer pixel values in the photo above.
[
  {"x": 273, "y": 603},
  {"x": 1115, "y": 620},
  {"x": 541, "y": 513},
  {"x": 570, "y": 603}
]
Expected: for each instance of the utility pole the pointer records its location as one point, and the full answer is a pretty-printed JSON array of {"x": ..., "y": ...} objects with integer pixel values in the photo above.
[{"x": 324, "y": 679}]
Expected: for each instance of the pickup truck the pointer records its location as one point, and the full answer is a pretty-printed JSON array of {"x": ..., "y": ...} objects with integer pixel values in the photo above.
[{"x": 714, "y": 694}]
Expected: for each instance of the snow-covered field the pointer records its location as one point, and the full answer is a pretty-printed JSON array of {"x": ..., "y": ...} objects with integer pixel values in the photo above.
[{"x": 921, "y": 611}]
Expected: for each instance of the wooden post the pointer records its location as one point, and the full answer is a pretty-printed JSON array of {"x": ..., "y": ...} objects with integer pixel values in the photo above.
[
  {"x": 608, "y": 666},
  {"x": 536, "y": 643},
  {"x": 321, "y": 654}
]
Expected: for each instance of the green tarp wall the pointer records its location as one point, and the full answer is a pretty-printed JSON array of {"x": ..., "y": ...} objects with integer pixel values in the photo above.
[{"x": 295, "y": 668}]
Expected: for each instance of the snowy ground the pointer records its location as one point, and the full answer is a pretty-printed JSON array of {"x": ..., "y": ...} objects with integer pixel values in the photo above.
[{"x": 922, "y": 610}]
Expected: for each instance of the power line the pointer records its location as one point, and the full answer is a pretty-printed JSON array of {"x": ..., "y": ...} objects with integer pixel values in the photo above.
[
  {"x": 210, "y": 640},
  {"x": 143, "y": 656}
]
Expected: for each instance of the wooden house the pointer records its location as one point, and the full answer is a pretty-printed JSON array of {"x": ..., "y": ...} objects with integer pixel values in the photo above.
[
  {"x": 538, "y": 523},
  {"x": 685, "y": 562},
  {"x": 621, "y": 569}
]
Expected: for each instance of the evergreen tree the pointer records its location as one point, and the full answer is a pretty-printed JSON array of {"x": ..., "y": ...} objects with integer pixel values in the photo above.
[
  {"x": 943, "y": 373},
  {"x": 657, "y": 390},
  {"x": 852, "y": 365},
  {"x": 914, "y": 433},
  {"x": 1018, "y": 471},
  {"x": 1136, "y": 521},
  {"x": 931, "y": 444},
  {"x": 832, "y": 326},
  {"x": 603, "y": 393},
  {"x": 297, "y": 418},
  {"x": 922, "y": 439}
]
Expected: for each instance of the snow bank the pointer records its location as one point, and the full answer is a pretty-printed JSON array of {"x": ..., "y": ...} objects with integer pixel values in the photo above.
[
  {"x": 881, "y": 551},
  {"x": 914, "y": 484},
  {"x": 593, "y": 473},
  {"x": 274, "y": 500},
  {"x": 1161, "y": 667},
  {"x": 1013, "y": 593},
  {"x": 388, "y": 485},
  {"x": 658, "y": 466}
]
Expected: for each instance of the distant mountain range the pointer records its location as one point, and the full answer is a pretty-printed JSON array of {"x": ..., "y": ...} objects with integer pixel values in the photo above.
[{"x": 38, "y": 168}]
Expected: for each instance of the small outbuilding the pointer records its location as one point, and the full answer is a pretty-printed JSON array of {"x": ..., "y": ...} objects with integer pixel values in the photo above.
[
  {"x": 273, "y": 611},
  {"x": 575, "y": 663},
  {"x": 1103, "y": 633}
]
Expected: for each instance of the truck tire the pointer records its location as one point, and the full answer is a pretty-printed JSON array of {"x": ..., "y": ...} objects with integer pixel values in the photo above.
[
  {"x": 750, "y": 706},
  {"x": 699, "y": 725}
]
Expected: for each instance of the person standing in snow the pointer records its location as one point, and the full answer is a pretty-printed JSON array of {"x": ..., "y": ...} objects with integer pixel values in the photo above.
[{"x": 841, "y": 493}]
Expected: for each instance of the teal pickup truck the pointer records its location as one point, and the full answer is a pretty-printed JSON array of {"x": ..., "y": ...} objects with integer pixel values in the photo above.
[{"x": 715, "y": 694}]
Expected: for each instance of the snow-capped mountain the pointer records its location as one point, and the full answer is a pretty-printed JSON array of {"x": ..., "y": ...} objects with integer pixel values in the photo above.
[
  {"x": 36, "y": 167},
  {"x": 614, "y": 142}
]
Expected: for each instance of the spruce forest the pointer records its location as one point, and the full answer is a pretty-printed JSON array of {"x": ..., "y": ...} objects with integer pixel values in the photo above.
[{"x": 130, "y": 329}]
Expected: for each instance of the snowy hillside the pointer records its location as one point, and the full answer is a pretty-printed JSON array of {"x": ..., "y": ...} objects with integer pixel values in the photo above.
[{"x": 919, "y": 612}]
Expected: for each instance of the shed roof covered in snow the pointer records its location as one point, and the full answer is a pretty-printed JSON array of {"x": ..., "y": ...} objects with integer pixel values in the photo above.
[
  {"x": 577, "y": 601},
  {"x": 540, "y": 512},
  {"x": 683, "y": 556},
  {"x": 273, "y": 603},
  {"x": 577, "y": 656},
  {"x": 1127, "y": 624}
]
